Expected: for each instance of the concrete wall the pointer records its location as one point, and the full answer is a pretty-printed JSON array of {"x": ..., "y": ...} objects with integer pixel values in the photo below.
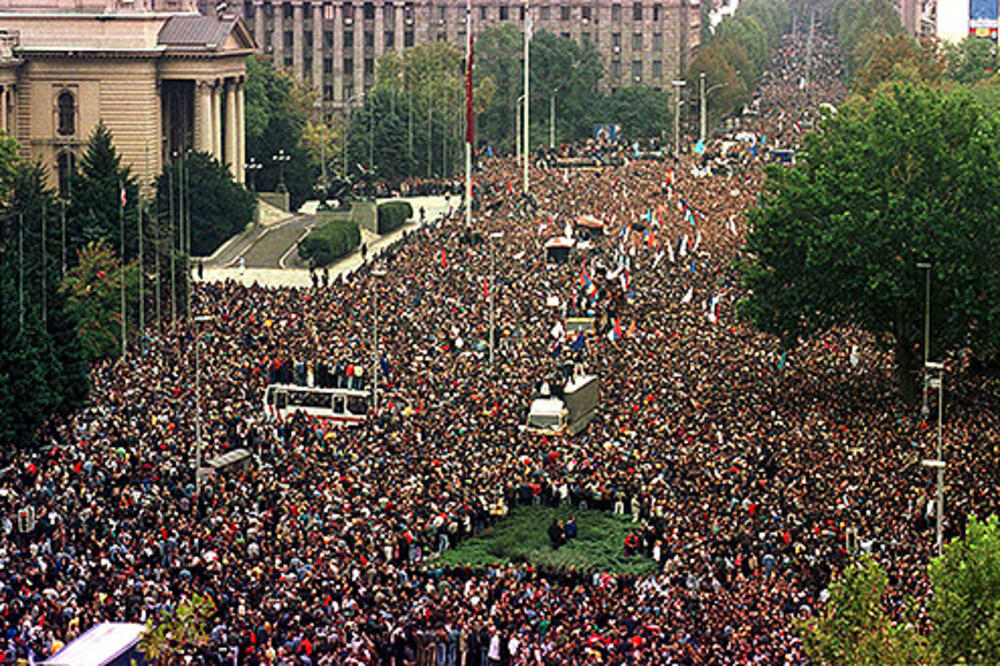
[
  {"x": 365, "y": 214},
  {"x": 276, "y": 199}
]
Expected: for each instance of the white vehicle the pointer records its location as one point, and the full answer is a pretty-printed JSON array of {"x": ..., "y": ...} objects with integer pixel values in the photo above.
[
  {"x": 568, "y": 415},
  {"x": 340, "y": 405}
]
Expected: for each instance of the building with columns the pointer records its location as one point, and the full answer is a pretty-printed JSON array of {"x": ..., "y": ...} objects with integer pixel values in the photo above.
[
  {"x": 334, "y": 46},
  {"x": 160, "y": 76}
]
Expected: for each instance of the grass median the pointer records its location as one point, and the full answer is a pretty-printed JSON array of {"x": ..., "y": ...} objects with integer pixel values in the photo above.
[{"x": 521, "y": 538}]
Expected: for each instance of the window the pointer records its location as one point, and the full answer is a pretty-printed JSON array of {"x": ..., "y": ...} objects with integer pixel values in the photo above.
[
  {"x": 637, "y": 69},
  {"x": 327, "y": 39},
  {"x": 248, "y": 11},
  {"x": 328, "y": 93},
  {"x": 616, "y": 40},
  {"x": 408, "y": 11},
  {"x": 289, "y": 62},
  {"x": 348, "y": 67},
  {"x": 307, "y": 66},
  {"x": 637, "y": 11},
  {"x": 289, "y": 39},
  {"x": 484, "y": 13},
  {"x": 286, "y": 11},
  {"x": 543, "y": 14},
  {"x": 347, "y": 10},
  {"x": 269, "y": 38},
  {"x": 564, "y": 13},
  {"x": 348, "y": 39},
  {"x": 369, "y": 39},
  {"x": 524, "y": 14},
  {"x": 408, "y": 38},
  {"x": 656, "y": 12},
  {"x": 348, "y": 91},
  {"x": 564, "y": 35},
  {"x": 585, "y": 38},
  {"x": 328, "y": 65},
  {"x": 616, "y": 12},
  {"x": 657, "y": 69},
  {"x": 328, "y": 12},
  {"x": 390, "y": 39},
  {"x": 616, "y": 69},
  {"x": 269, "y": 11},
  {"x": 66, "y": 104},
  {"x": 308, "y": 39},
  {"x": 504, "y": 12},
  {"x": 442, "y": 14},
  {"x": 637, "y": 41},
  {"x": 585, "y": 13},
  {"x": 369, "y": 11},
  {"x": 369, "y": 66},
  {"x": 388, "y": 13},
  {"x": 65, "y": 165},
  {"x": 657, "y": 41},
  {"x": 442, "y": 37}
]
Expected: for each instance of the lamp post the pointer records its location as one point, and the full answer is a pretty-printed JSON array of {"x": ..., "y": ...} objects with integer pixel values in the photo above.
[
  {"x": 281, "y": 157},
  {"x": 939, "y": 464},
  {"x": 517, "y": 129},
  {"x": 552, "y": 118},
  {"x": 527, "y": 95},
  {"x": 926, "y": 267},
  {"x": 197, "y": 407},
  {"x": 704, "y": 104},
  {"x": 494, "y": 238},
  {"x": 252, "y": 167},
  {"x": 371, "y": 132},
  {"x": 678, "y": 84},
  {"x": 318, "y": 105},
  {"x": 378, "y": 274}
]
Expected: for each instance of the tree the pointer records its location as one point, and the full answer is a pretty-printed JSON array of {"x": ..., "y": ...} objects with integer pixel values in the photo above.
[
  {"x": 277, "y": 112},
  {"x": 884, "y": 185},
  {"x": 640, "y": 110},
  {"x": 971, "y": 60},
  {"x": 171, "y": 635},
  {"x": 96, "y": 208},
  {"x": 860, "y": 26},
  {"x": 219, "y": 206},
  {"x": 897, "y": 58},
  {"x": 965, "y": 609},
  {"x": 853, "y": 627}
]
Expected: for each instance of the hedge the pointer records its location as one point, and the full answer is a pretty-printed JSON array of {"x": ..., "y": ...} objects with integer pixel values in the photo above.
[
  {"x": 392, "y": 215},
  {"x": 329, "y": 242}
]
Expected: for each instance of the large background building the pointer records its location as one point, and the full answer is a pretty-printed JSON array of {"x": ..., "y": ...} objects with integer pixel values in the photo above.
[
  {"x": 160, "y": 76},
  {"x": 334, "y": 46}
]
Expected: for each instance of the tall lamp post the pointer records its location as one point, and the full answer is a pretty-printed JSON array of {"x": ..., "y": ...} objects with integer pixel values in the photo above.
[
  {"x": 678, "y": 85},
  {"x": 494, "y": 239},
  {"x": 280, "y": 158},
  {"x": 252, "y": 167},
  {"x": 377, "y": 274},
  {"x": 704, "y": 104},
  {"x": 926, "y": 267},
  {"x": 527, "y": 95},
  {"x": 939, "y": 464},
  {"x": 552, "y": 118},
  {"x": 517, "y": 129},
  {"x": 197, "y": 400}
]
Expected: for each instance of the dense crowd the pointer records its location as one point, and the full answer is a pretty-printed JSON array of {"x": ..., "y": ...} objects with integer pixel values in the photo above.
[{"x": 744, "y": 469}]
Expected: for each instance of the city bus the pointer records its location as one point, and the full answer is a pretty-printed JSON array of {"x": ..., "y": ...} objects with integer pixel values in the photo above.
[{"x": 340, "y": 405}]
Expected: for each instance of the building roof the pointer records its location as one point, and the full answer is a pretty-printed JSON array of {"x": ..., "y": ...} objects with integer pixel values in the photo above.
[{"x": 196, "y": 32}]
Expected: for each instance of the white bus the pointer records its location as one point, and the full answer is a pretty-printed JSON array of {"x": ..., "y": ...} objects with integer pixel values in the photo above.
[{"x": 347, "y": 406}]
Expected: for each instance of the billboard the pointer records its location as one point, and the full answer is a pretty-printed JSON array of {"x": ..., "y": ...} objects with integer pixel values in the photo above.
[{"x": 983, "y": 18}]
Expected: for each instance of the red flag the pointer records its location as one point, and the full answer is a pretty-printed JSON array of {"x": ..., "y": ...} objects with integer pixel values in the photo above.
[
  {"x": 486, "y": 288},
  {"x": 470, "y": 120},
  {"x": 444, "y": 263}
]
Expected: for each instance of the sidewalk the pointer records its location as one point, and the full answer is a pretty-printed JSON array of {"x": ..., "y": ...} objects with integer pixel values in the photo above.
[{"x": 299, "y": 277}]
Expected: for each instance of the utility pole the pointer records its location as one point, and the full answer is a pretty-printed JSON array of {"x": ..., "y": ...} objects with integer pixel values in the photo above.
[
  {"x": 377, "y": 275},
  {"x": 45, "y": 268},
  {"x": 552, "y": 118},
  {"x": 173, "y": 246},
  {"x": 701, "y": 97},
  {"x": 494, "y": 239},
  {"x": 527, "y": 93},
  {"x": 678, "y": 85},
  {"x": 121, "y": 272}
]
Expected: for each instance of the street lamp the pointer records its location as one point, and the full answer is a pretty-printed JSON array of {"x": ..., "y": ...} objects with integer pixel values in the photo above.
[
  {"x": 678, "y": 84},
  {"x": 281, "y": 157},
  {"x": 926, "y": 267},
  {"x": 252, "y": 167},
  {"x": 517, "y": 132},
  {"x": 552, "y": 118},
  {"x": 197, "y": 399},
  {"x": 347, "y": 128},
  {"x": 322, "y": 142},
  {"x": 494, "y": 238},
  {"x": 939, "y": 464},
  {"x": 704, "y": 103},
  {"x": 378, "y": 273}
]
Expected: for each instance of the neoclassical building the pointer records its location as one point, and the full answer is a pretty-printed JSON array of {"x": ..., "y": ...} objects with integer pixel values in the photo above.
[{"x": 161, "y": 77}]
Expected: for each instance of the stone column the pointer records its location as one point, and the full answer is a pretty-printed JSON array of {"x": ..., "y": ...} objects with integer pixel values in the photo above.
[
  {"x": 317, "y": 50},
  {"x": 241, "y": 145},
  {"x": 378, "y": 44},
  {"x": 397, "y": 14},
  {"x": 337, "y": 52},
  {"x": 231, "y": 127},
  {"x": 297, "y": 40},
  {"x": 278, "y": 34},
  {"x": 217, "y": 120},
  {"x": 203, "y": 140},
  {"x": 258, "y": 25},
  {"x": 3, "y": 108}
]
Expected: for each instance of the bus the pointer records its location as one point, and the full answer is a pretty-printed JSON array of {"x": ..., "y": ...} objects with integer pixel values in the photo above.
[{"x": 340, "y": 405}]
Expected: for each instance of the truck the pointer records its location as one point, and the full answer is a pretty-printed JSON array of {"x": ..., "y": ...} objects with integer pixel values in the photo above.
[
  {"x": 104, "y": 644},
  {"x": 569, "y": 414}
]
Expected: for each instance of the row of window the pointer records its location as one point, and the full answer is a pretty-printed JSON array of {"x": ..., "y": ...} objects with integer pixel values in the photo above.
[
  {"x": 656, "y": 69},
  {"x": 503, "y": 12},
  {"x": 389, "y": 39}
]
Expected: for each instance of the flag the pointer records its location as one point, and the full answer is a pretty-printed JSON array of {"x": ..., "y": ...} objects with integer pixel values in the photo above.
[
  {"x": 697, "y": 242},
  {"x": 618, "y": 328},
  {"x": 692, "y": 267},
  {"x": 781, "y": 361},
  {"x": 486, "y": 288},
  {"x": 470, "y": 121},
  {"x": 651, "y": 238},
  {"x": 684, "y": 246},
  {"x": 670, "y": 252},
  {"x": 444, "y": 263},
  {"x": 699, "y": 147},
  {"x": 589, "y": 288},
  {"x": 631, "y": 329},
  {"x": 124, "y": 198},
  {"x": 688, "y": 296},
  {"x": 384, "y": 365},
  {"x": 579, "y": 342}
]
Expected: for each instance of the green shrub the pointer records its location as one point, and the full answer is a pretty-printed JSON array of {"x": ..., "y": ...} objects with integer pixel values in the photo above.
[
  {"x": 522, "y": 537},
  {"x": 392, "y": 215},
  {"x": 327, "y": 243}
]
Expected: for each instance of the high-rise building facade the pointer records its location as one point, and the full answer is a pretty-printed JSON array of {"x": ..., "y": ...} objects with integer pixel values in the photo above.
[{"x": 335, "y": 46}]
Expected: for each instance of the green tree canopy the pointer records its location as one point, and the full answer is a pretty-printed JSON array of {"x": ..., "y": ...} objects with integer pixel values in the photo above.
[
  {"x": 966, "y": 603},
  {"x": 884, "y": 185},
  {"x": 640, "y": 110},
  {"x": 971, "y": 60},
  {"x": 896, "y": 58}
]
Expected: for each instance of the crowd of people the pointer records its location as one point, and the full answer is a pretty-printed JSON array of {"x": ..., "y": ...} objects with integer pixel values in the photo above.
[{"x": 744, "y": 469}]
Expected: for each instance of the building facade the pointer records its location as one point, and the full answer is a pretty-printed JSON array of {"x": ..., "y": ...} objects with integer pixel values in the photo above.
[
  {"x": 334, "y": 46},
  {"x": 160, "y": 76}
]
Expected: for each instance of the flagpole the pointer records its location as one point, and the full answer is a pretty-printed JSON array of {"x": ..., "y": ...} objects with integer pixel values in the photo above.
[
  {"x": 527, "y": 69},
  {"x": 121, "y": 233},
  {"x": 469, "y": 120}
]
